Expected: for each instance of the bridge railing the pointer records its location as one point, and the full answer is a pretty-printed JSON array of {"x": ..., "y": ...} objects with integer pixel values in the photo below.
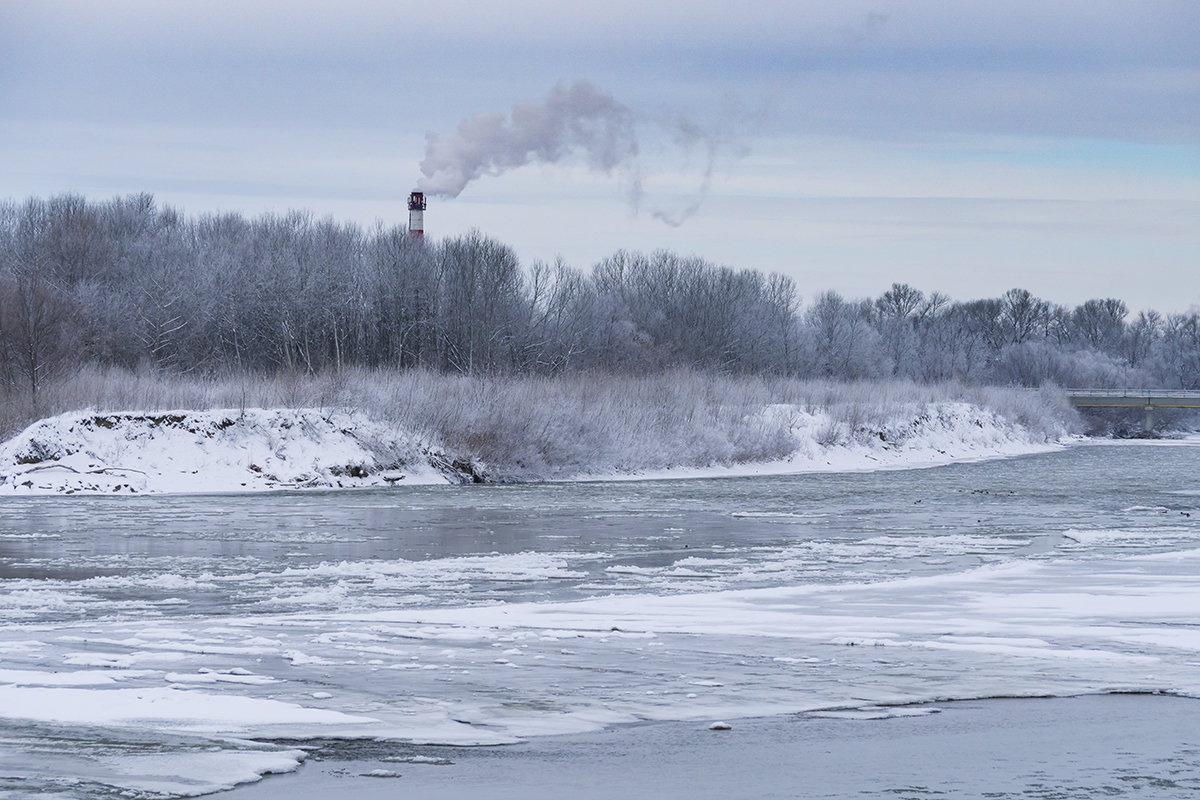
[{"x": 1174, "y": 394}]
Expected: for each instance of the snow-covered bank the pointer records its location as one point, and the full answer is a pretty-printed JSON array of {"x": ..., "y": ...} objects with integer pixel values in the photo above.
[
  {"x": 257, "y": 450},
  {"x": 213, "y": 451},
  {"x": 938, "y": 434}
]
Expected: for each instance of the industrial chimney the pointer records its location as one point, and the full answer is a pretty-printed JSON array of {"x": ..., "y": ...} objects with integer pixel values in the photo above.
[{"x": 416, "y": 214}]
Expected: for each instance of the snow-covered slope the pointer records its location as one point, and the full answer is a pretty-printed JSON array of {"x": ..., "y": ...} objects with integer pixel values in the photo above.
[
  {"x": 214, "y": 451},
  {"x": 257, "y": 450}
]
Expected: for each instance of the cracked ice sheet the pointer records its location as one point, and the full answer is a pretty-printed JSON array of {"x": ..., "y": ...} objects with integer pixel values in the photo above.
[{"x": 1124, "y": 616}]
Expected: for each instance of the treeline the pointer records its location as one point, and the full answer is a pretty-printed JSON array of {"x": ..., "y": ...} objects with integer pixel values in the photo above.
[{"x": 132, "y": 284}]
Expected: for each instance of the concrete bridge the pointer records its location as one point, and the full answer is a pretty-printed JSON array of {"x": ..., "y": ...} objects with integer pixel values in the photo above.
[{"x": 1148, "y": 399}]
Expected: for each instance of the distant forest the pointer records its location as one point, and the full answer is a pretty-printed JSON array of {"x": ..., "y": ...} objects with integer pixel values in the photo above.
[{"x": 129, "y": 283}]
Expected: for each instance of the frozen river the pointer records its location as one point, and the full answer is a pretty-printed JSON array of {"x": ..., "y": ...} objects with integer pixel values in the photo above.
[{"x": 164, "y": 646}]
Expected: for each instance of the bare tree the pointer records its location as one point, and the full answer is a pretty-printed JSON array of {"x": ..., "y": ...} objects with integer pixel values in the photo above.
[
  {"x": 1100, "y": 323},
  {"x": 480, "y": 292},
  {"x": 1022, "y": 315},
  {"x": 896, "y": 314},
  {"x": 1181, "y": 350},
  {"x": 842, "y": 343},
  {"x": 38, "y": 333},
  {"x": 1142, "y": 338}
]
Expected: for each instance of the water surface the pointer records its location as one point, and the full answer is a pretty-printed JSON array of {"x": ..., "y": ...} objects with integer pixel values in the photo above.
[{"x": 449, "y": 614}]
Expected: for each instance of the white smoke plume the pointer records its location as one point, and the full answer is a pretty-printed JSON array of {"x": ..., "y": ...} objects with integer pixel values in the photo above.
[{"x": 575, "y": 121}]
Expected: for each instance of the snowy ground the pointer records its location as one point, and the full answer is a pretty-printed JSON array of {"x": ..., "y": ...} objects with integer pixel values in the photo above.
[{"x": 257, "y": 450}]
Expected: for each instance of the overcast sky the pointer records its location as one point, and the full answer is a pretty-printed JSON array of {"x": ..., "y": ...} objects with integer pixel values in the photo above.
[{"x": 967, "y": 147}]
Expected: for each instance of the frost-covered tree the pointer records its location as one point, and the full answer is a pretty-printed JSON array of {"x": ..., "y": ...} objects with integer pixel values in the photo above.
[
  {"x": 897, "y": 314},
  {"x": 841, "y": 342},
  {"x": 146, "y": 286},
  {"x": 559, "y": 310},
  {"x": 1022, "y": 316},
  {"x": 1142, "y": 338},
  {"x": 1100, "y": 323},
  {"x": 38, "y": 333},
  {"x": 480, "y": 299},
  {"x": 1180, "y": 351},
  {"x": 403, "y": 300}
]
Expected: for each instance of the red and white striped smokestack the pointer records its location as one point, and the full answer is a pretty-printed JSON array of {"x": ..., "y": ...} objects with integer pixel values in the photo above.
[{"x": 416, "y": 214}]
